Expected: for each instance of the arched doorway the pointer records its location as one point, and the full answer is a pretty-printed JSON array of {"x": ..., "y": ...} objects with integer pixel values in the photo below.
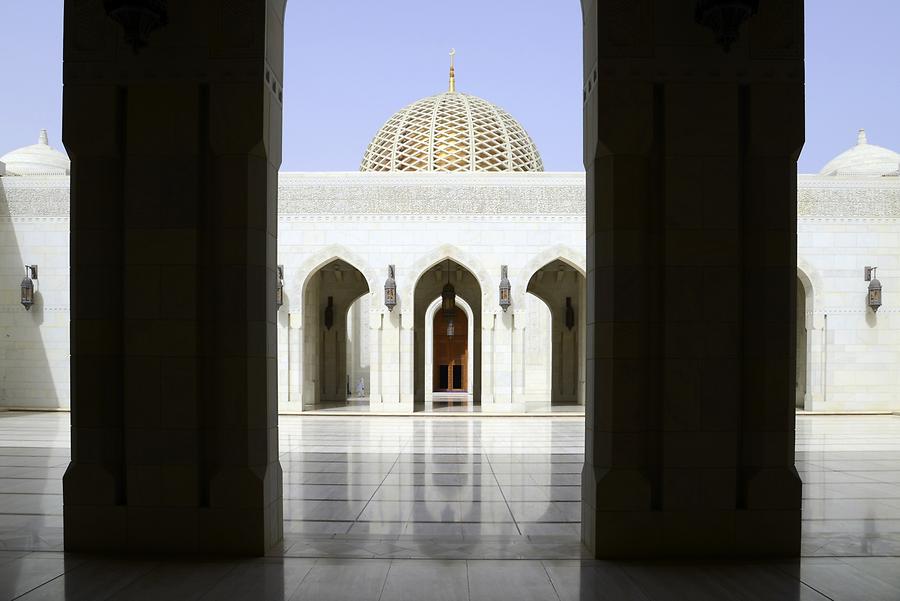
[
  {"x": 450, "y": 348},
  {"x": 804, "y": 382},
  {"x": 431, "y": 343},
  {"x": 561, "y": 287},
  {"x": 449, "y": 368},
  {"x": 331, "y": 351}
]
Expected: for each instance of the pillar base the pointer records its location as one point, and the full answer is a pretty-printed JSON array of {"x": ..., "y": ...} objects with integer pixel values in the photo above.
[{"x": 693, "y": 534}]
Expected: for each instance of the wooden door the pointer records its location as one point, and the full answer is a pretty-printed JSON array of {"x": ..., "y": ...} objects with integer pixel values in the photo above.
[{"x": 451, "y": 353}]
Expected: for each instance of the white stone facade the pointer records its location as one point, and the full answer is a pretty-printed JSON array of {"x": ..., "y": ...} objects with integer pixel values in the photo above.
[
  {"x": 848, "y": 355},
  {"x": 846, "y": 224},
  {"x": 417, "y": 221}
]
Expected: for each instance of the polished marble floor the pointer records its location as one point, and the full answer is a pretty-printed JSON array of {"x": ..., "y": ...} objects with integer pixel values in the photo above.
[
  {"x": 432, "y": 488},
  {"x": 463, "y": 508},
  {"x": 446, "y": 405}
]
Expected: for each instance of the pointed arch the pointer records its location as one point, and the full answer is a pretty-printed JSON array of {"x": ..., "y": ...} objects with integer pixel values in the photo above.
[
  {"x": 440, "y": 254},
  {"x": 562, "y": 298},
  {"x": 336, "y": 252},
  {"x": 812, "y": 283},
  {"x": 809, "y": 377},
  {"x": 560, "y": 252}
]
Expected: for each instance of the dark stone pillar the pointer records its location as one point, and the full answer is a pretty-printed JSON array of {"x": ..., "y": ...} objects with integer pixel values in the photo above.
[
  {"x": 175, "y": 154},
  {"x": 691, "y": 157}
]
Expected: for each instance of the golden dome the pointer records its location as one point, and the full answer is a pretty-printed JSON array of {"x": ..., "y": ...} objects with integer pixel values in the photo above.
[{"x": 452, "y": 132}]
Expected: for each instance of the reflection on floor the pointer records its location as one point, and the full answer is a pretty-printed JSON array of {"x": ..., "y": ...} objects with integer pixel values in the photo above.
[
  {"x": 422, "y": 487},
  {"x": 366, "y": 496},
  {"x": 443, "y": 404}
]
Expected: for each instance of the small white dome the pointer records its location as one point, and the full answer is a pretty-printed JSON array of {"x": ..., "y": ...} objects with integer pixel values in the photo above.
[
  {"x": 863, "y": 159},
  {"x": 37, "y": 159}
]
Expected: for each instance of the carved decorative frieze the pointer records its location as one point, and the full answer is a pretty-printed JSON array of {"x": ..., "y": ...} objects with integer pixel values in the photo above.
[
  {"x": 34, "y": 197},
  {"x": 549, "y": 197},
  {"x": 861, "y": 199},
  {"x": 451, "y": 194}
]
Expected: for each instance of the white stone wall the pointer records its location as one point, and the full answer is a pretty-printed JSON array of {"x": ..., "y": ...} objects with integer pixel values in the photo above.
[
  {"x": 414, "y": 221},
  {"x": 481, "y": 221},
  {"x": 844, "y": 225},
  {"x": 34, "y": 345}
]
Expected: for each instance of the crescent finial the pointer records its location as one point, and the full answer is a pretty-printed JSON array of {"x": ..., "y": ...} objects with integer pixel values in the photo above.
[{"x": 452, "y": 70}]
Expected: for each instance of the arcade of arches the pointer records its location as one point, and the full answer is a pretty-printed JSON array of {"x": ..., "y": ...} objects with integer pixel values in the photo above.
[
  {"x": 689, "y": 394},
  {"x": 330, "y": 362}
]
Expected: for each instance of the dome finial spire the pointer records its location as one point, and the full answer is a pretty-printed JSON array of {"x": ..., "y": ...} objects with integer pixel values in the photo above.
[
  {"x": 452, "y": 69},
  {"x": 43, "y": 138},
  {"x": 862, "y": 138}
]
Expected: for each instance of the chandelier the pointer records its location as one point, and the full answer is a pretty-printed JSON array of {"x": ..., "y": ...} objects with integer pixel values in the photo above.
[
  {"x": 138, "y": 18},
  {"x": 725, "y": 17}
]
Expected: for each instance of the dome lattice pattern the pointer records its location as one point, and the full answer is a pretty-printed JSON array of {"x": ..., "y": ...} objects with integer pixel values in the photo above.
[{"x": 452, "y": 132}]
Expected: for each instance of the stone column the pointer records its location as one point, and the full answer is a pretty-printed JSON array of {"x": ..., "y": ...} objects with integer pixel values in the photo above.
[
  {"x": 175, "y": 154},
  {"x": 376, "y": 335},
  {"x": 407, "y": 364},
  {"x": 391, "y": 380},
  {"x": 690, "y": 154},
  {"x": 488, "y": 367},
  {"x": 295, "y": 366}
]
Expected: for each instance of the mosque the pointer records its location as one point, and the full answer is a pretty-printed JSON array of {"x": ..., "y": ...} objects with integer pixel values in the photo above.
[{"x": 449, "y": 273}]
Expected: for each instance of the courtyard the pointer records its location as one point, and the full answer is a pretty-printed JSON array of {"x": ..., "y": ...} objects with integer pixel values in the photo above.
[{"x": 419, "y": 487}]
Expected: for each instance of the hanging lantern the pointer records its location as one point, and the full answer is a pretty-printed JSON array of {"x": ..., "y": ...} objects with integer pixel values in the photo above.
[
  {"x": 28, "y": 286},
  {"x": 570, "y": 313},
  {"x": 390, "y": 290},
  {"x": 448, "y": 303},
  {"x": 724, "y": 18},
  {"x": 505, "y": 288},
  {"x": 138, "y": 18},
  {"x": 874, "y": 297},
  {"x": 448, "y": 296},
  {"x": 329, "y": 313},
  {"x": 279, "y": 290}
]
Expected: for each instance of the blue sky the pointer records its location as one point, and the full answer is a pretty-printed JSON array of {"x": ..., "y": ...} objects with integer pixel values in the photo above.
[{"x": 349, "y": 69}]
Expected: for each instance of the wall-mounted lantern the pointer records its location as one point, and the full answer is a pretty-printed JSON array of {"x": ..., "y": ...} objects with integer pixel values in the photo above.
[
  {"x": 570, "y": 313},
  {"x": 138, "y": 18},
  {"x": 329, "y": 313},
  {"x": 874, "y": 298},
  {"x": 31, "y": 274},
  {"x": 390, "y": 290},
  {"x": 505, "y": 288},
  {"x": 724, "y": 18},
  {"x": 279, "y": 290}
]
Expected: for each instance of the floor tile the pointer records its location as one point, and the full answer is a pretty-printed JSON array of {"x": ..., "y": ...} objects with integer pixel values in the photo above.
[
  {"x": 261, "y": 580},
  {"x": 504, "y": 580},
  {"x": 91, "y": 581},
  {"x": 188, "y": 580},
  {"x": 344, "y": 580},
  {"x": 432, "y": 580},
  {"x": 26, "y": 573},
  {"x": 577, "y": 581}
]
